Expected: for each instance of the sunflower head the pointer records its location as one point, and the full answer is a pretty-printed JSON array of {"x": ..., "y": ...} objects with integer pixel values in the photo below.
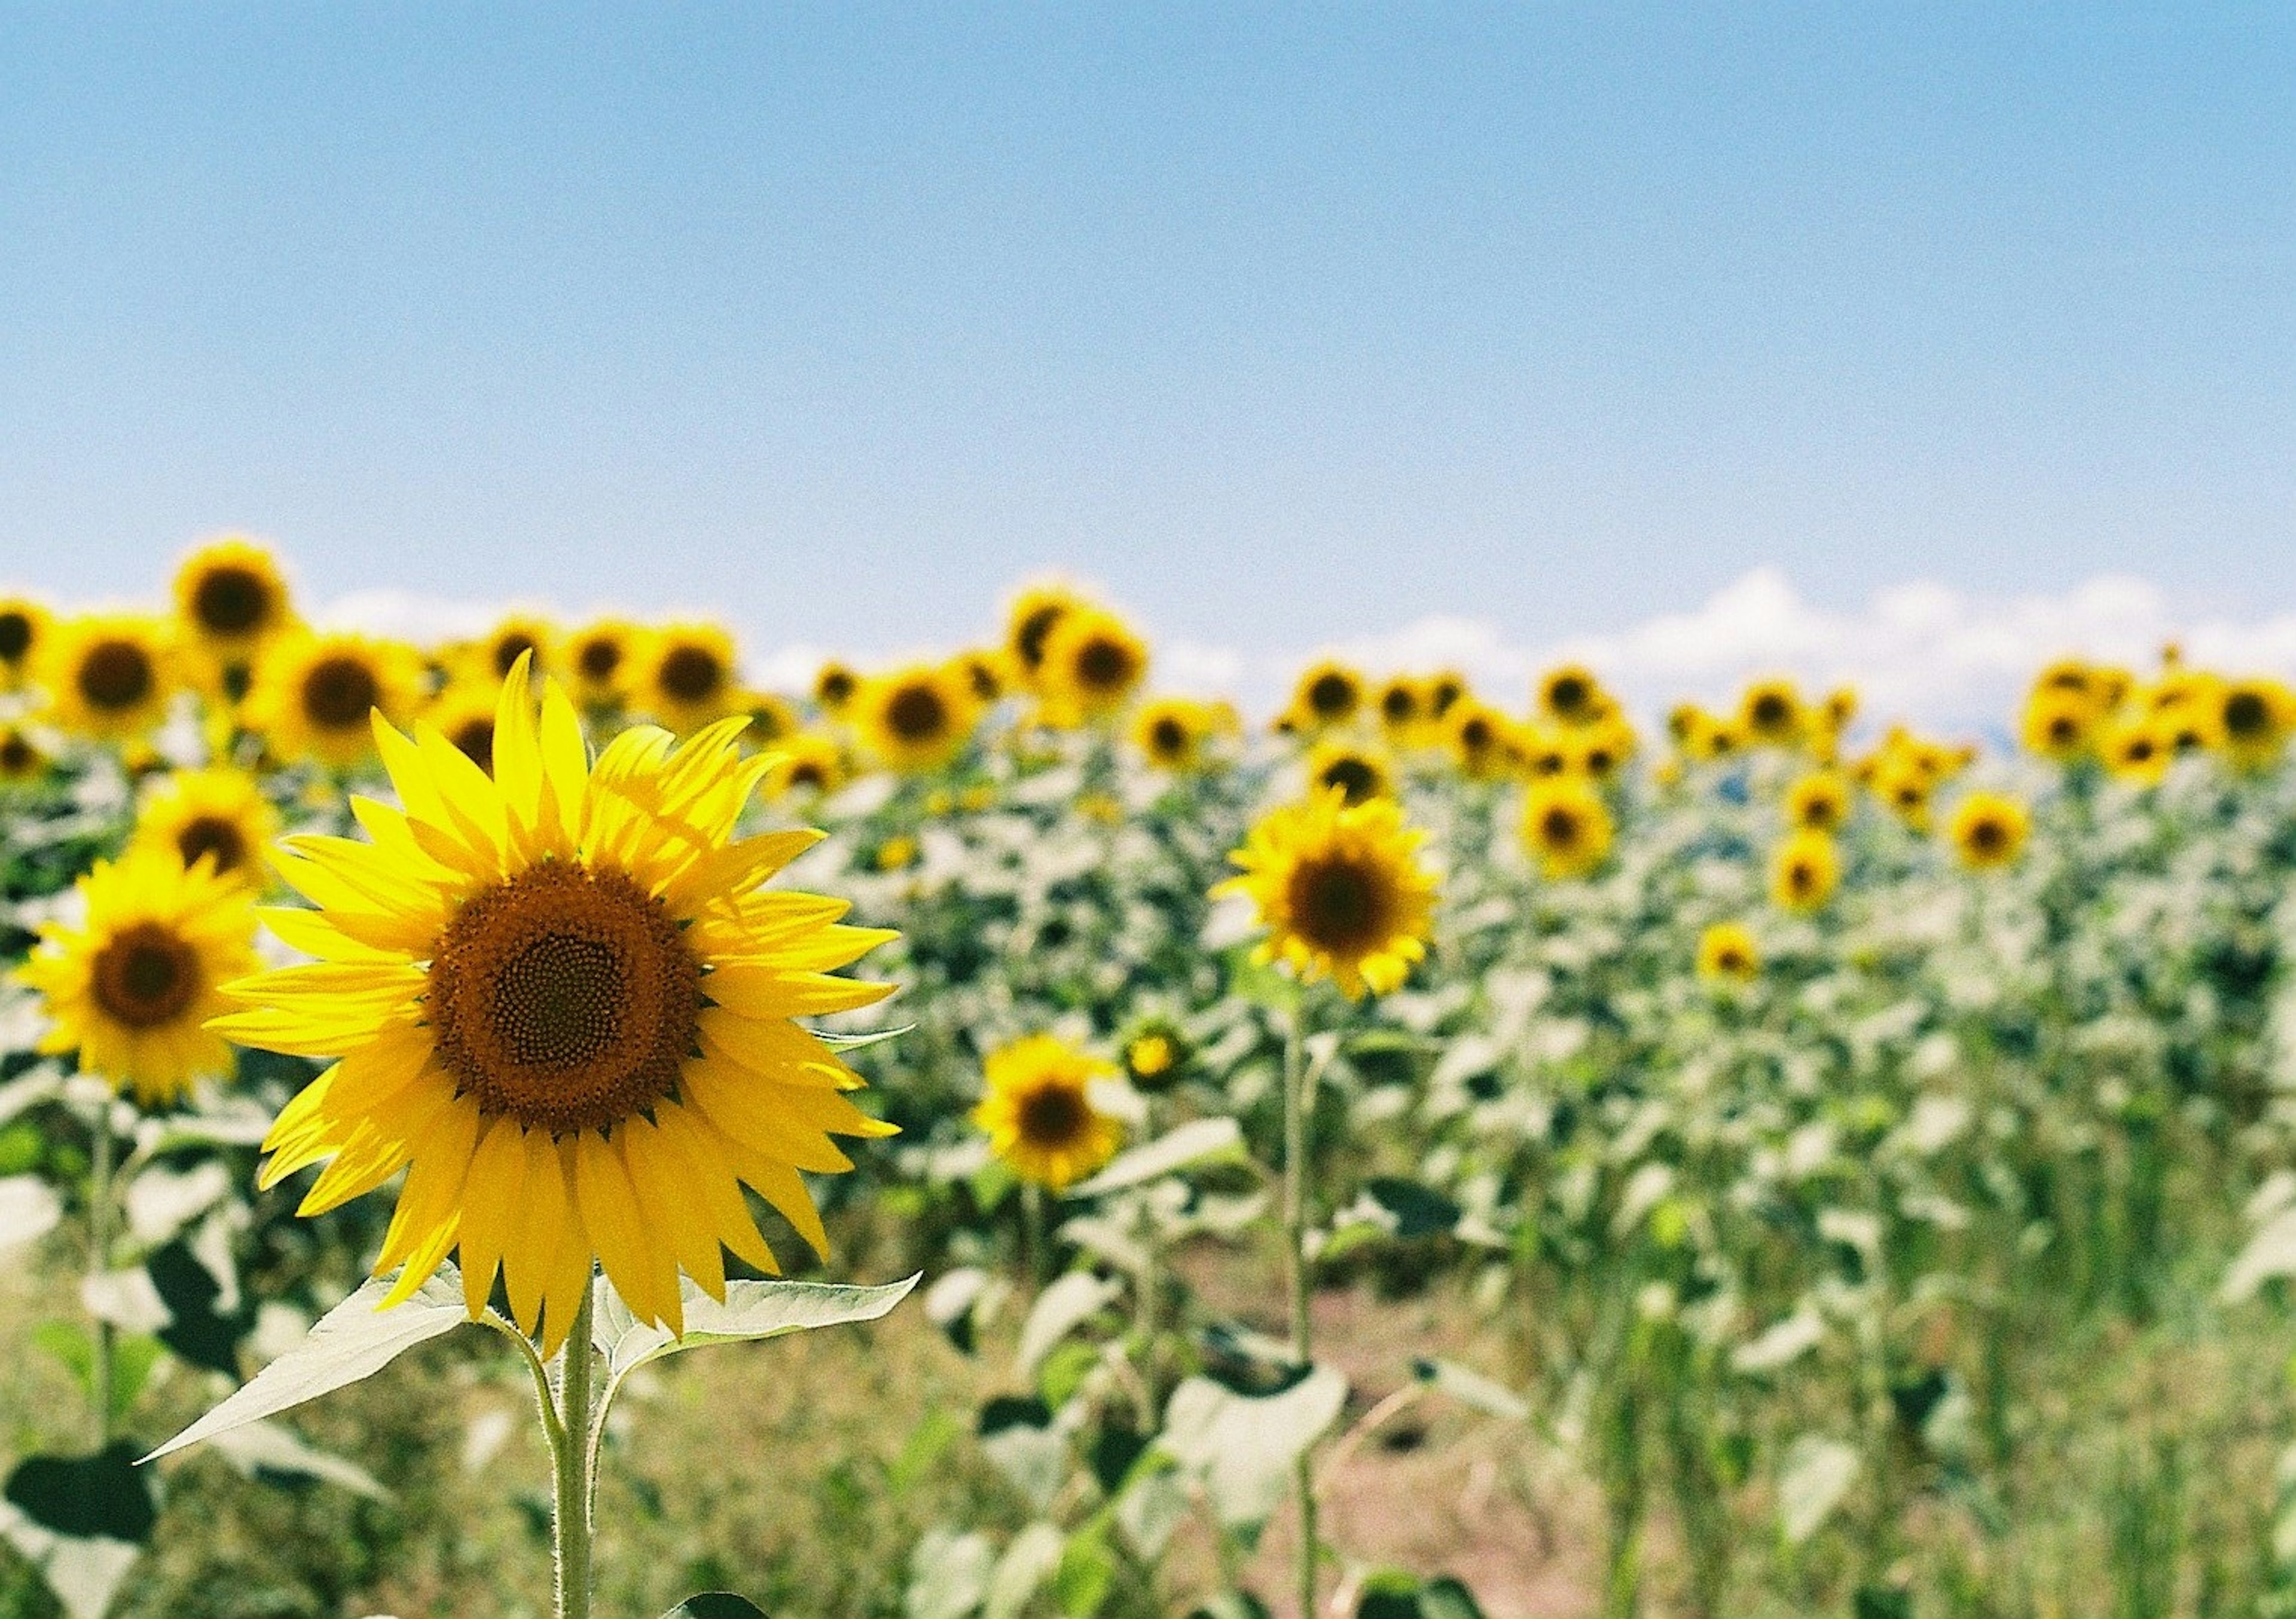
[
  {"x": 1360, "y": 774},
  {"x": 1805, "y": 872},
  {"x": 232, "y": 598},
  {"x": 1571, "y": 695},
  {"x": 1038, "y": 1114},
  {"x": 217, "y": 815},
  {"x": 2254, "y": 720},
  {"x": 1155, "y": 1055},
  {"x": 1988, "y": 831},
  {"x": 1771, "y": 713},
  {"x": 465, "y": 714},
  {"x": 1403, "y": 708},
  {"x": 834, "y": 687},
  {"x": 915, "y": 719},
  {"x": 690, "y": 677},
  {"x": 773, "y": 719},
  {"x": 562, "y": 1000},
  {"x": 21, "y": 759},
  {"x": 1567, "y": 826},
  {"x": 2136, "y": 753},
  {"x": 1906, "y": 788},
  {"x": 1171, "y": 732},
  {"x": 602, "y": 660},
  {"x": 131, "y": 987},
  {"x": 807, "y": 762},
  {"x": 1444, "y": 688},
  {"x": 1600, "y": 751},
  {"x": 1726, "y": 951},
  {"x": 23, "y": 626},
  {"x": 1706, "y": 736},
  {"x": 1093, "y": 664},
  {"x": 315, "y": 696},
  {"x": 1482, "y": 740},
  {"x": 1029, "y": 624},
  {"x": 1340, "y": 889},
  {"x": 2059, "y": 722},
  {"x": 1819, "y": 801},
  {"x": 1327, "y": 694},
  {"x": 108, "y": 676},
  {"x": 986, "y": 674},
  {"x": 527, "y": 636}
]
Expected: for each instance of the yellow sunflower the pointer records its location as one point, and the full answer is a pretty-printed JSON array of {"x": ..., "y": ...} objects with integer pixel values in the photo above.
[
  {"x": 1770, "y": 714},
  {"x": 527, "y": 636},
  {"x": 1545, "y": 751},
  {"x": 108, "y": 676},
  {"x": 465, "y": 714},
  {"x": 1093, "y": 664},
  {"x": 1327, "y": 694},
  {"x": 986, "y": 674},
  {"x": 561, "y": 1000},
  {"x": 1988, "y": 831},
  {"x": 314, "y": 695},
  {"x": 1571, "y": 695},
  {"x": 1482, "y": 739},
  {"x": 23, "y": 626},
  {"x": 22, "y": 760},
  {"x": 2254, "y": 720},
  {"x": 1028, "y": 628},
  {"x": 1403, "y": 709},
  {"x": 1805, "y": 871},
  {"x": 231, "y": 597},
  {"x": 690, "y": 678},
  {"x": 1172, "y": 732},
  {"x": 835, "y": 687},
  {"x": 1444, "y": 689},
  {"x": 1905, "y": 785},
  {"x": 1038, "y": 1115},
  {"x": 1707, "y": 738},
  {"x": 1727, "y": 950},
  {"x": 2059, "y": 722},
  {"x": 219, "y": 815},
  {"x": 807, "y": 762},
  {"x": 915, "y": 719},
  {"x": 1340, "y": 889},
  {"x": 1818, "y": 803},
  {"x": 1155, "y": 1056},
  {"x": 1567, "y": 825},
  {"x": 1600, "y": 751},
  {"x": 601, "y": 662},
  {"x": 2136, "y": 753},
  {"x": 1360, "y": 774},
  {"x": 132, "y": 987}
]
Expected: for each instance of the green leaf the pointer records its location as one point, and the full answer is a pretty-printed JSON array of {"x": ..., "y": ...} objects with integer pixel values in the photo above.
[
  {"x": 98, "y": 1497},
  {"x": 1059, "y": 1310},
  {"x": 1027, "y": 1563},
  {"x": 1816, "y": 1473},
  {"x": 30, "y": 1209},
  {"x": 1242, "y": 1446},
  {"x": 349, "y": 1344},
  {"x": 859, "y": 1042},
  {"x": 1416, "y": 1210},
  {"x": 1471, "y": 1388},
  {"x": 1088, "y": 1572},
  {"x": 261, "y": 1448},
  {"x": 948, "y": 1575},
  {"x": 1197, "y": 1141},
  {"x": 715, "y": 1605}
]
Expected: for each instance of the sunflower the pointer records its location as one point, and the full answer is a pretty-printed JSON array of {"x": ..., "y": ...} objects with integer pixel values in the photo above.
[
  {"x": 465, "y": 714},
  {"x": 1770, "y": 714},
  {"x": 1028, "y": 628},
  {"x": 1707, "y": 737},
  {"x": 1340, "y": 890},
  {"x": 1545, "y": 752},
  {"x": 1988, "y": 831},
  {"x": 1327, "y": 694},
  {"x": 1601, "y": 750},
  {"x": 232, "y": 598},
  {"x": 1904, "y": 784},
  {"x": 835, "y": 687},
  {"x": 807, "y": 762},
  {"x": 1038, "y": 1113},
  {"x": 1171, "y": 732},
  {"x": 1839, "y": 708},
  {"x": 1566, "y": 824},
  {"x": 1572, "y": 695},
  {"x": 132, "y": 985},
  {"x": 1727, "y": 951},
  {"x": 2059, "y": 722},
  {"x": 915, "y": 719},
  {"x": 1093, "y": 664},
  {"x": 771, "y": 718},
  {"x": 561, "y": 997},
  {"x": 527, "y": 636},
  {"x": 23, "y": 626},
  {"x": 601, "y": 660},
  {"x": 1155, "y": 1055},
  {"x": 1403, "y": 708},
  {"x": 1818, "y": 803},
  {"x": 1805, "y": 871},
  {"x": 314, "y": 695},
  {"x": 219, "y": 816},
  {"x": 1444, "y": 689},
  {"x": 22, "y": 760},
  {"x": 2254, "y": 719},
  {"x": 2070, "y": 674},
  {"x": 689, "y": 680},
  {"x": 986, "y": 675},
  {"x": 1358, "y": 773},
  {"x": 2136, "y": 753},
  {"x": 1482, "y": 739},
  {"x": 108, "y": 676}
]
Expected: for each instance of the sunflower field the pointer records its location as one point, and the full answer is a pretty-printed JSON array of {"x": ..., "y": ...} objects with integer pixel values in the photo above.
[{"x": 1426, "y": 1154}]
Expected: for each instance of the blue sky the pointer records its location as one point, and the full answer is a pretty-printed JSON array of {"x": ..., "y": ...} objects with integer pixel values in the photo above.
[{"x": 1283, "y": 325}]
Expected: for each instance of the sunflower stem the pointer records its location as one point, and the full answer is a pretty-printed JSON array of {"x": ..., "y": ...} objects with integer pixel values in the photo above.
[
  {"x": 1295, "y": 1233},
  {"x": 1038, "y": 1257},
  {"x": 572, "y": 1461},
  {"x": 99, "y": 1263}
]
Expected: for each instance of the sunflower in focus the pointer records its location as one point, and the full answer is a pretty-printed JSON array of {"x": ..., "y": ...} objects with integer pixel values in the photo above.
[
  {"x": 689, "y": 679},
  {"x": 1093, "y": 664},
  {"x": 232, "y": 598},
  {"x": 2254, "y": 718},
  {"x": 914, "y": 719},
  {"x": 561, "y": 1000},
  {"x": 1572, "y": 695},
  {"x": 1988, "y": 831},
  {"x": 23, "y": 626},
  {"x": 218, "y": 814},
  {"x": 1171, "y": 732},
  {"x": 314, "y": 695},
  {"x": 132, "y": 987},
  {"x": 1038, "y": 1114},
  {"x": 108, "y": 676},
  {"x": 1482, "y": 739},
  {"x": 601, "y": 661},
  {"x": 1567, "y": 825},
  {"x": 1805, "y": 871},
  {"x": 1770, "y": 714},
  {"x": 805, "y": 763},
  {"x": 2059, "y": 722},
  {"x": 21, "y": 759},
  {"x": 1328, "y": 694},
  {"x": 1358, "y": 772},
  {"x": 1727, "y": 951},
  {"x": 1818, "y": 803},
  {"x": 1340, "y": 889}
]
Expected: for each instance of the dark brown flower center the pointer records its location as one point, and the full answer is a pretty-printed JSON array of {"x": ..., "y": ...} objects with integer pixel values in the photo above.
[
  {"x": 599, "y": 657},
  {"x": 475, "y": 737},
  {"x": 1771, "y": 711},
  {"x": 807, "y": 773},
  {"x": 18, "y": 757},
  {"x": 1569, "y": 696},
  {"x": 510, "y": 647},
  {"x": 1029, "y": 636},
  {"x": 2064, "y": 731},
  {"x": 1355, "y": 778},
  {"x": 917, "y": 713},
  {"x": 564, "y": 998},
  {"x": 145, "y": 977},
  {"x": 2246, "y": 715},
  {"x": 15, "y": 635},
  {"x": 1446, "y": 693},
  {"x": 834, "y": 687},
  {"x": 1168, "y": 738},
  {"x": 340, "y": 692},
  {"x": 231, "y": 601},
  {"x": 1559, "y": 828},
  {"x": 1331, "y": 695},
  {"x": 692, "y": 675},
  {"x": 1340, "y": 906},
  {"x": 215, "y": 836},
  {"x": 115, "y": 674},
  {"x": 1104, "y": 664},
  {"x": 1399, "y": 706},
  {"x": 1053, "y": 1116},
  {"x": 1988, "y": 836}
]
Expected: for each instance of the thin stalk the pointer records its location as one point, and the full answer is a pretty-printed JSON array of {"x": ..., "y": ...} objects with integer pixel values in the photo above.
[
  {"x": 573, "y": 1461},
  {"x": 98, "y": 1262},
  {"x": 1295, "y": 1244},
  {"x": 1036, "y": 1256}
]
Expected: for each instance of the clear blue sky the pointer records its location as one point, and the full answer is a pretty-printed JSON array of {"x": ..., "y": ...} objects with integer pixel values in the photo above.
[{"x": 1280, "y": 322}]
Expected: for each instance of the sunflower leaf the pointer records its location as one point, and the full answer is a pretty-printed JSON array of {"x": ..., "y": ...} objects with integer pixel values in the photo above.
[
  {"x": 715, "y": 1605},
  {"x": 859, "y": 1042},
  {"x": 1197, "y": 1141}
]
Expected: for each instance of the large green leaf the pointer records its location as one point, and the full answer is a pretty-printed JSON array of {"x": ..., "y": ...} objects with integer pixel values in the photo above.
[
  {"x": 1059, "y": 1310},
  {"x": 1198, "y": 1142},
  {"x": 1816, "y": 1473},
  {"x": 715, "y": 1605},
  {"x": 30, "y": 1209},
  {"x": 1242, "y": 1446}
]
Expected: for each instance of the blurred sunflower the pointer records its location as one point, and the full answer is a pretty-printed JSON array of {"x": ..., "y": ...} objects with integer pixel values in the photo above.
[
  {"x": 132, "y": 985},
  {"x": 1340, "y": 889},
  {"x": 1818, "y": 802},
  {"x": 1093, "y": 664},
  {"x": 1571, "y": 695},
  {"x": 219, "y": 815},
  {"x": 22, "y": 760},
  {"x": 1805, "y": 872},
  {"x": 465, "y": 714},
  {"x": 771, "y": 718},
  {"x": 1905, "y": 786},
  {"x": 1403, "y": 709},
  {"x": 1360, "y": 774},
  {"x": 2059, "y": 722},
  {"x": 1028, "y": 628},
  {"x": 1567, "y": 825},
  {"x": 1600, "y": 751},
  {"x": 1727, "y": 951},
  {"x": 314, "y": 695},
  {"x": 1545, "y": 752},
  {"x": 1706, "y": 738},
  {"x": 985, "y": 676},
  {"x": 561, "y": 1000},
  {"x": 689, "y": 678},
  {"x": 601, "y": 662},
  {"x": 108, "y": 676},
  {"x": 1480, "y": 740},
  {"x": 527, "y": 636},
  {"x": 1155, "y": 1055},
  {"x": 231, "y": 597},
  {"x": 2255, "y": 718},
  {"x": 805, "y": 763},
  {"x": 1445, "y": 687},
  {"x": 1171, "y": 732},
  {"x": 1327, "y": 694},
  {"x": 2133, "y": 752},
  {"x": 23, "y": 626},
  {"x": 1038, "y": 1114},
  {"x": 1770, "y": 714},
  {"x": 915, "y": 719},
  {"x": 1988, "y": 831}
]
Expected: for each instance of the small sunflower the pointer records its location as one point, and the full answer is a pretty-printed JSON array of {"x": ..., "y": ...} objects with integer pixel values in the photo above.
[
  {"x": 1988, "y": 831},
  {"x": 1838, "y": 710},
  {"x": 1567, "y": 825},
  {"x": 2254, "y": 720},
  {"x": 805, "y": 763},
  {"x": 1482, "y": 739},
  {"x": 1600, "y": 751},
  {"x": 1328, "y": 694},
  {"x": 465, "y": 714},
  {"x": 1404, "y": 710},
  {"x": 1805, "y": 872},
  {"x": 1445, "y": 687},
  {"x": 1028, "y": 629},
  {"x": 527, "y": 636},
  {"x": 1360, "y": 774},
  {"x": 23, "y": 626},
  {"x": 1706, "y": 736},
  {"x": 915, "y": 719},
  {"x": 232, "y": 598},
  {"x": 108, "y": 676},
  {"x": 2136, "y": 753},
  {"x": 1093, "y": 664},
  {"x": 835, "y": 687},
  {"x": 1546, "y": 751},
  {"x": 315, "y": 695},
  {"x": 21, "y": 759},
  {"x": 1905, "y": 786},
  {"x": 1038, "y": 1114},
  {"x": 1727, "y": 951},
  {"x": 771, "y": 718},
  {"x": 132, "y": 987},
  {"x": 1340, "y": 890},
  {"x": 986, "y": 675},
  {"x": 1155, "y": 1056},
  {"x": 562, "y": 1000},
  {"x": 601, "y": 662},
  {"x": 1571, "y": 695},
  {"x": 1818, "y": 803},
  {"x": 219, "y": 815},
  {"x": 690, "y": 679},
  {"x": 2059, "y": 722},
  {"x": 1771, "y": 713},
  {"x": 1172, "y": 732}
]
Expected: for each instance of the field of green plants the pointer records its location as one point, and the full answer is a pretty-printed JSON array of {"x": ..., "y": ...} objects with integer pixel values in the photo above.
[{"x": 1427, "y": 1152}]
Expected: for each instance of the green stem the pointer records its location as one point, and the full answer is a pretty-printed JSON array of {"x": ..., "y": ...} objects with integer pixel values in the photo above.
[
  {"x": 1038, "y": 1258},
  {"x": 1295, "y": 1232},
  {"x": 573, "y": 1461},
  {"x": 99, "y": 1243}
]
